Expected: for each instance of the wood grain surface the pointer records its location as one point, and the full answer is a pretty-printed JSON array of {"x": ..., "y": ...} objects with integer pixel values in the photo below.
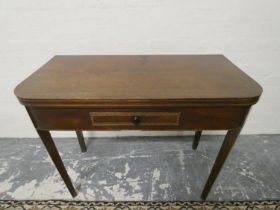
[{"x": 86, "y": 79}]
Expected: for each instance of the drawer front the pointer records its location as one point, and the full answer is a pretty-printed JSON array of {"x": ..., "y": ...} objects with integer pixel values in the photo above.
[
  {"x": 190, "y": 118},
  {"x": 135, "y": 118}
]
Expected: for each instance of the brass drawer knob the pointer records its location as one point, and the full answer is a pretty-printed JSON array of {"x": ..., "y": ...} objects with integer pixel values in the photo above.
[{"x": 136, "y": 120}]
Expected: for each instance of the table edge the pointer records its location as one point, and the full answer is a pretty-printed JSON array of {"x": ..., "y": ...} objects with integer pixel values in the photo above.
[{"x": 138, "y": 102}]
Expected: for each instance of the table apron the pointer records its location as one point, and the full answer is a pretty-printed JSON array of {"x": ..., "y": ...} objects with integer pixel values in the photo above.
[{"x": 157, "y": 118}]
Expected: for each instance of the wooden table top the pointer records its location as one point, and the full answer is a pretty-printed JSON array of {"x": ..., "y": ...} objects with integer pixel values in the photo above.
[{"x": 154, "y": 77}]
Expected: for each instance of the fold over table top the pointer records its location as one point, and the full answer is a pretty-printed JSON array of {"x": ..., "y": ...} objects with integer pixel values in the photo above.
[{"x": 90, "y": 79}]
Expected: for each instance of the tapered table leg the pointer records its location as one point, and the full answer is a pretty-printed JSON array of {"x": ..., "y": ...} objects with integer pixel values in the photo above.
[
  {"x": 81, "y": 141},
  {"x": 229, "y": 140},
  {"x": 196, "y": 139},
  {"x": 51, "y": 148}
]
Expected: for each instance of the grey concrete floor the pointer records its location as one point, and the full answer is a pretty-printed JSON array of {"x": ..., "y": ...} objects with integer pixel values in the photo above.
[{"x": 142, "y": 168}]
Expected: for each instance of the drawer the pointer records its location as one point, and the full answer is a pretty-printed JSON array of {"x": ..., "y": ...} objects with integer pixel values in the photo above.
[
  {"x": 135, "y": 118},
  {"x": 149, "y": 118}
]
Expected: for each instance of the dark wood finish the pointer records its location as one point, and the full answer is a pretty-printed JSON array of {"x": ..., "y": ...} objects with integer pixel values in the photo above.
[
  {"x": 81, "y": 140},
  {"x": 191, "y": 118},
  {"x": 196, "y": 139},
  {"x": 51, "y": 148},
  {"x": 188, "y": 79},
  {"x": 161, "y": 92},
  {"x": 229, "y": 141},
  {"x": 134, "y": 119}
]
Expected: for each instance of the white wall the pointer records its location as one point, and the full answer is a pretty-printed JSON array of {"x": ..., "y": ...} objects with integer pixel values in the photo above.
[{"x": 246, "y": 31}]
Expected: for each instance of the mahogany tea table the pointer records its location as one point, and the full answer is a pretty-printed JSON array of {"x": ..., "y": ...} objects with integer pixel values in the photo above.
[{"x": 129, "y": 92}]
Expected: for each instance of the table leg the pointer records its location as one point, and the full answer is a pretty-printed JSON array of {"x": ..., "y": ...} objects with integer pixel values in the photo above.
[
  {"x": 229, "y": 140},
  {"x": 81, "y": 140},
  {"x": 196, "y": 139},
  {"x": 51, "y": 148}
]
